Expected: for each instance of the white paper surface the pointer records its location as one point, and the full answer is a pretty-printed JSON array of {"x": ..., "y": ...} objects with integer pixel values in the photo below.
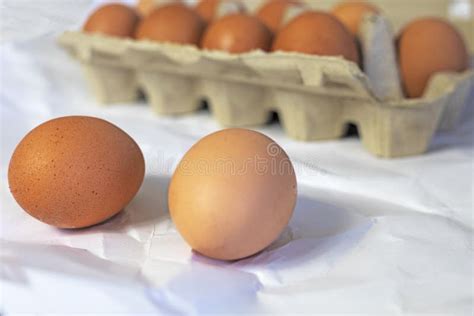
[{"x": 368, "y": 235}]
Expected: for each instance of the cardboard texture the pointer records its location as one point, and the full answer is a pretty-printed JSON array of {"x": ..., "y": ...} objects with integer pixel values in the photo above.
[{"x": 315, "y": 96}]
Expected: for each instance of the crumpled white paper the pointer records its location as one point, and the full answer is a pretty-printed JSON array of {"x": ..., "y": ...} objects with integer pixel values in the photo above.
[{"x": 368, "y": 235}]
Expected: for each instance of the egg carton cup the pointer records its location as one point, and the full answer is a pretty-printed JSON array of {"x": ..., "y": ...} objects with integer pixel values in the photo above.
[{"x": 314, "y": 96}]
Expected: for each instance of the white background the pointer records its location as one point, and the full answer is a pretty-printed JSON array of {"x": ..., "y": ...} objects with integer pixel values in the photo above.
[{"x": 368, "y": 235}]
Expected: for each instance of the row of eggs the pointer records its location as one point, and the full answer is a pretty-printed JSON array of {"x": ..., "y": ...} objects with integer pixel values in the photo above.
[
  {"x": 234, "y": 32},
  {"x": 309, "y": 32}
]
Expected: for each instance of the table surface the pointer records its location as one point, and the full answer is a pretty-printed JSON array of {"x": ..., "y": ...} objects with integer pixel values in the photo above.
[{"x": 367, "y": 236}]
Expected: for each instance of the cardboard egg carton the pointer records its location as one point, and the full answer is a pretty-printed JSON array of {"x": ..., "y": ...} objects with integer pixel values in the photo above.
[{"x": 314, "y": 96}]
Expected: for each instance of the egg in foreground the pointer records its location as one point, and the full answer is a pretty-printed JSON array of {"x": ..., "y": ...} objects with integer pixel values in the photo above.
[
  {"x": 232, "y": 194},
  {"x": 427, "y": 46},
  {"x": 75, "y": 171}
]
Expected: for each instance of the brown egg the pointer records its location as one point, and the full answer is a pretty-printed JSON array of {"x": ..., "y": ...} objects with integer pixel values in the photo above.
[
  {"x": 75, "y": 171},
  {"x": 207, "y": 9},
  {"x": 317, "y": 33},
  {"x": 350, "y": 13},
  {"x": 145, "y": 7},
  {"x": 237, "y": 33},
  {"x": 213, "y": 9},
  {"x": 114, "y": 20},
  {"x": 232, "y": 194},
  {"x": 273, "y": 12},
  {"x": 174, "y": 23},
  {"x": 425, "y": 47}
]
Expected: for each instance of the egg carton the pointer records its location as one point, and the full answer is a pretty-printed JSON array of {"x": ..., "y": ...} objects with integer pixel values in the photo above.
[{"x": 315, "y": 96}]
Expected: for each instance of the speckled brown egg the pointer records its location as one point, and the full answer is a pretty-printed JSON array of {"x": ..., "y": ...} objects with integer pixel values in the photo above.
[
  {"x": 425, "y": 47},
  {"x": 237, "y": 33},
  {"x": 317, "y": 33},
  {"x": 273, "y": 12},
  {"x": 75, "y": 171},
  {"x": 350, "y": 13},
  {"x": 175, "y": 23},
  {"x": 112, "y": 19},
  {"x": 232, "y": 194}
]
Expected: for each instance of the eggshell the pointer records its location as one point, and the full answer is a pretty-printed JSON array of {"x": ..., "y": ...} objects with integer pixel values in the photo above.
[
  {"x": 350, "y": 13},
  {"x": 174, "y": 23},
  {"x": 237, "y": 33},
  {"x": 317, "y": 33},
  {"x": 145, "y": 7},
  {"x": 75, "y": 171},
  {"x": 114, "y": 20},
  {"x": 425, "y": 47},
  {"x": 232, "y": 194},
  {"x": 273, "y": 12},
  {"x": 210, "y": 10},
  {"x": 207, "y": 9}
]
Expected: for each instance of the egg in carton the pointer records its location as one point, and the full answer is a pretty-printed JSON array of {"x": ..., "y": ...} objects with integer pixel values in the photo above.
[{"x": 315, "y": 96}]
